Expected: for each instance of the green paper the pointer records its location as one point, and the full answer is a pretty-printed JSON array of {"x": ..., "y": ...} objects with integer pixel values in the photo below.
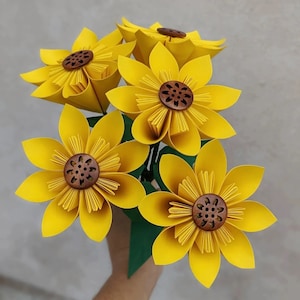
[{"x": 142, "y": 236}]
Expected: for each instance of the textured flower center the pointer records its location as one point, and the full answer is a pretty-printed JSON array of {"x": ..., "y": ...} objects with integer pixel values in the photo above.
[
  {"x": 209, "y": 212},
  {"x": 176, "y": 95},
  {"x": 81, "y": 171},
  {"x": 77, "y": 60},
  {"x": 171, "y": 32}
]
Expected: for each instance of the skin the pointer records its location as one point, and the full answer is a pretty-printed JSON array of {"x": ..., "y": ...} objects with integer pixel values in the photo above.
[{"x": 118, "y": 286}]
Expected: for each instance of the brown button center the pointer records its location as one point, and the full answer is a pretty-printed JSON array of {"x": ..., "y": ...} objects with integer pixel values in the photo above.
[
  {"x": 81, "y": 171},
  {"x": 77, "y": 60},
  {"x": 171, "y": 32},
  {"x": 209, "y": 212},
  {"x": 176, "y": 95}
]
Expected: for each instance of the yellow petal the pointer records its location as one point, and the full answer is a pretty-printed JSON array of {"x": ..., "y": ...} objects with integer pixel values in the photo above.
[
  {"x": 188, "y": 142},
  {"x": 49, "y": 90},
  {"x": 145, "y": 42},
  {"x": 163, "y": 63},
  {"x": 129, "y": 193},
  {"x": 212, "y": 158},
  {"x": 133, "y": 71},
  {"x": 256, "y": 217},
  {"x": 73, "y": 124},
  {"x": 88, "y": 99},
  {"x": 198, "y": 69},
  {"x": 56, "y": 219},
  {"x": 143, "y": 133},
  {"x": 111, "y": 39},
  {"x": 104, "y": 129},
  {"x": 205, "y": 266},
  {"x": 36, "y": 76},
  {"x": 246, "y": 178},
  {"x": 132, "y": 155},
  {"x": 166, "y": 249},
  {"x": 215, "y": 126},
  {"x": 122, "y": 49},
  {"x": 41, "y": 151},
  {"x": 85, "y": 40},
  {"x": 53, "y": 56},
  {"x": 97, "y": 223},
  {"x": 239, "y": 251},
  {"x": 35, "y": 187},
  {"x": 154, "y": 208},
  {"x": 181, "y": 50},
  {"x": 168, "y": 168},
  {"x": 222, "y": 97},
  {"x": 124, "y": 98}
]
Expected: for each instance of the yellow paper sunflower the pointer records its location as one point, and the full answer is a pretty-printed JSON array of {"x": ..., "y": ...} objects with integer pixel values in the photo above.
[
  {"x": 82, "y": 76},
  {"x": 184, "y": 46},
  {"x": 173, "y": 104},
  {"x": 83, "y": 174},
  {"x": 206, "y": 212}
]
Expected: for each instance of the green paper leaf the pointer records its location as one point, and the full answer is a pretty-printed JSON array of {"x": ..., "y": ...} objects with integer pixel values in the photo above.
[
  {"x": 142, "y": 236},
  {"x": 93, "y": 120},
  {"x": 127, "y": 136}
]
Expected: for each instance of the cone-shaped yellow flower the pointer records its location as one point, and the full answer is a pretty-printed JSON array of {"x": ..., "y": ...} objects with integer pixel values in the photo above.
[
  {"x": 82, "y": 76},
  {"x": 184, "y": 46},
  {"x": 205, "y": 212},
  {"x": 83, "y": 174},
  {"x": 173, "y": 104}
]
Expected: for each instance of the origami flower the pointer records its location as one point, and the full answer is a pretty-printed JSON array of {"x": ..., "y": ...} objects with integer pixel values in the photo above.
[
  {"x": 206, "y": 212},
  {"x": 82, "y": 76},
  {"x": 184, "y": 46},
  {"x": 83, "y": 174},
  {"x": 173, "y": 104}
]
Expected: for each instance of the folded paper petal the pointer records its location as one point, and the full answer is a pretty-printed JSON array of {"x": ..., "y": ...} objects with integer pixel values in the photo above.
[
  {"x": 256, "y": 217},
  {"x": 36, "y": 76},
  {"x": 143, "y": 133},
  {"x": 53, "y": 56},
  {"x": 132, "y": 155},
  {"x": 222, "y": 97},
  {"x": 40, "y": 152},
  {"x": 137, "y": 71},
  {"x": 35, "y": 187},
  {"x": 160, "y": 60},
  {"x": 56, "y": 219},
  {"x": 215, "y": 126},
  {"x": 49, "y": 89},
  {"x": 212, "y": 158},
  {"x": 168, "y": 168},
  {"x": 188, "y": 142},
  {"x": 239, "y": 251},
  {"x": 167, "y": 250},
  {"x": 97, "y": 223},
  {"x": 205, "y": 266},
  {"x": 104, "y": 129},
  {"x": 246, "y": 178},
  {"x": 124, "y": 98},
  {"x": 154, "y": 208},
  {"x": 198, "y": 69},
  {"x": 111, "y": 39},
  {"x": 129, "y": 193},
  {"x": 73, "y": 124},
  {"x": 86, "y": 37}
]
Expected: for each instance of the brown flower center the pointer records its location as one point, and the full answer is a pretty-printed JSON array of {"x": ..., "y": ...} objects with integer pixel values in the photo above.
[
  {"x": 81, "y": 171},
  {"x": 176, "y": 95},
  {"x": 209, "y": 212},
  {"x": 171, "y": 32},
  {"x": 77, "y": 60}
]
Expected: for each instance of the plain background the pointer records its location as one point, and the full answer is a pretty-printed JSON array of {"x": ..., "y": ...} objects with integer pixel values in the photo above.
[{"x": 262, "y": 59}]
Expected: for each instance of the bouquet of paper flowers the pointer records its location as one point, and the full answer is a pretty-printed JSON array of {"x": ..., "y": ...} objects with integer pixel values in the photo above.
[{"x": 152, "y": 149}]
